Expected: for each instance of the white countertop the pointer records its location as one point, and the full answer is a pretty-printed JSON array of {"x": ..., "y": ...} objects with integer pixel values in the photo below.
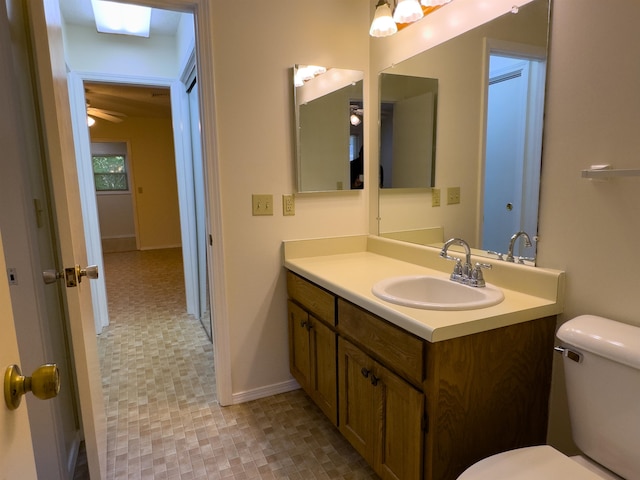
[{"x": 349, "y": 266}]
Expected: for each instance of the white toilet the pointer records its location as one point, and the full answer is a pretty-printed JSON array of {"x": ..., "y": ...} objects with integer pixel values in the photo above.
[{"x": 602, "y": 369}]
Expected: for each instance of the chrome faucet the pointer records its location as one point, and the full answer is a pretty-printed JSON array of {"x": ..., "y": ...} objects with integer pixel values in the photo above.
[
  {"x": 514, "y": 237},
  {"x": 465, "y": 274}
]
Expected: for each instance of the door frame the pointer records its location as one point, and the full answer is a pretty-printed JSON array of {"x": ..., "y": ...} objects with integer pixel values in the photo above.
[
  {"x": 53, "y": 100},
  {"x": 202, "y": 13}
]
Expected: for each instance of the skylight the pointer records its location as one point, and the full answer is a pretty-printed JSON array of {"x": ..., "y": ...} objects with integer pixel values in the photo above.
[{"x": 121, "y": 18}]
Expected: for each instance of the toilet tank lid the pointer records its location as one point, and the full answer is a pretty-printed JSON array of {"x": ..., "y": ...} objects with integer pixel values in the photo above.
[{"x": 607, "y": 338}]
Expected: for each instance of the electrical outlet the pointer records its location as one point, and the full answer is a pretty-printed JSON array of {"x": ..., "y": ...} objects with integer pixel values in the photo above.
[
  {"x": 262, "y": 204},
  {"x": 288, "y": 205},
  {"x": 435, "y": 197},
  {"x": 453, "y": 195}
]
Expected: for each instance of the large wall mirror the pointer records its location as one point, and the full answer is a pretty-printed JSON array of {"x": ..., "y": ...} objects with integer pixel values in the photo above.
[
  {"x": 490, "y": 97},
  {"x": 329, "y": 128}
]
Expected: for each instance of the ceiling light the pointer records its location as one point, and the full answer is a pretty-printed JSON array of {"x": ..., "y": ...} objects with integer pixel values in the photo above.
[
  {"x": 408, "y": 11},
  {"x": 354, "y": 120},
  {"x": 91, "y": 121},
  {"x": 383, "y": 24},
  {"x": 121, "y": 18}
]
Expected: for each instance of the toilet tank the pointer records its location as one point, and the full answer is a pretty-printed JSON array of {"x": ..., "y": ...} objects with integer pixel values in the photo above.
[{"x": 602, "y": 370}]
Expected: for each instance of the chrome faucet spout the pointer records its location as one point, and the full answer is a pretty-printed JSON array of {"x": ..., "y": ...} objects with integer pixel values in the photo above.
[
  {"x": 512, "y": 241},
  {"x": 456, "y": 241},
  {"x": 465, "y": 274},
  {"x": 461, "y": 273}
]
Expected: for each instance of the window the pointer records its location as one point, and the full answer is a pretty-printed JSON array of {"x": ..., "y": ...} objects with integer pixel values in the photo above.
[{"x": 110, "y": 173}]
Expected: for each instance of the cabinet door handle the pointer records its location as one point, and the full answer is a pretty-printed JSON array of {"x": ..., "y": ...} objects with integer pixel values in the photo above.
[
  {"x": 374, "y": 380},
  {"x": 303, "y": 323},
  {"x": 365, "y": 372}
]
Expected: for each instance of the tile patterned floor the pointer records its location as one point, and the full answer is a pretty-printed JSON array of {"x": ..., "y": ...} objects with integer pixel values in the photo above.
[{"x": 162, "y": 418}]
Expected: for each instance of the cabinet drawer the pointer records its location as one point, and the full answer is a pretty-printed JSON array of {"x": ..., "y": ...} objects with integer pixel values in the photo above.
[
  {"x": 316, "y": 300},
  {"x": 397, "y": 349}
]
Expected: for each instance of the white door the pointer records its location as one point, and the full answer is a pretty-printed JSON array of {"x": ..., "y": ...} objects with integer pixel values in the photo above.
[
  {"x": 51, "y": 78},
  {"x": 16, "y": 452},
  {"x": 505, "y": 150},
  {"x": 29, "y": 248}
]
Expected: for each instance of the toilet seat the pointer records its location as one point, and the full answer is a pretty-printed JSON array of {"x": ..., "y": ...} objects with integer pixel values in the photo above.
[{"x": 530, "y": 463}]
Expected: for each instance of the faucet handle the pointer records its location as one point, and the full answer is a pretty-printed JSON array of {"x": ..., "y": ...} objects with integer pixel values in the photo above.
[
  {"x": 498, "y": 254},
  {"x": 477, "y": 279},
  {"x": 521, "y": 260},
  {"x": 457, "y": 269}
]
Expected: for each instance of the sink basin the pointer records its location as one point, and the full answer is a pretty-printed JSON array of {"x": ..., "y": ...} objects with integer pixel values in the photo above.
[{"x": 435, "y": 293}]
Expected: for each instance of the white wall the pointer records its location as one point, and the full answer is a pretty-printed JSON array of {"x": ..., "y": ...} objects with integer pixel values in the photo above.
[
  {"x": 254, "y": 103},
  {"x": 87, "y": 51},
  {"x": 591, "y": 229}
]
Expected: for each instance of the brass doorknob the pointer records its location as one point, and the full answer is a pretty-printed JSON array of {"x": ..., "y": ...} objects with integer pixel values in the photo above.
[
  {"x": 44, "y": 383},
  {"x": 91, "y": 272}
]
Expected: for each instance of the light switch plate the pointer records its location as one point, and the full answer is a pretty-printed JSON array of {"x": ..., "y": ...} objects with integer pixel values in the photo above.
[{"x": 262, "y": 204}]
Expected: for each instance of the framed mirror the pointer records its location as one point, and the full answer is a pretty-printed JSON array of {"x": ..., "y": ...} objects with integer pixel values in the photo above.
[
  {"x": 329, "y": 128},
  {"x": 490, "y": 101}
]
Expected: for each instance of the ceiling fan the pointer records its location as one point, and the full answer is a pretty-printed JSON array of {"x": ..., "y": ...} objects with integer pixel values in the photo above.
[{"x": 108, "y": 115}]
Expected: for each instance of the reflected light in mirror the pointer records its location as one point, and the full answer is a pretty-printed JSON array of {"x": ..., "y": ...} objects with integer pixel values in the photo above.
[{"x": 304, "y": 73}]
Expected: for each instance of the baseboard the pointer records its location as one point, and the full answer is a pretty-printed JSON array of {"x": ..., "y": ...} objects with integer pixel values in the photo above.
[
  {"x": 118, "y": 244},
  {"x": 161, "y": 247},
  {"x": 266, "y": 391}
]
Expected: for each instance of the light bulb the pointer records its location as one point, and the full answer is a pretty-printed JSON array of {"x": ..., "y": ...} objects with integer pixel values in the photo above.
[
  {"x": 383, "y": 24},
  {"x": 407, "y": 11}
]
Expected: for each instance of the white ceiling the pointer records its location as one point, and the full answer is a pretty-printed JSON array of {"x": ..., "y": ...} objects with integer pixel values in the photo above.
[{"x": 80, "y": 12}]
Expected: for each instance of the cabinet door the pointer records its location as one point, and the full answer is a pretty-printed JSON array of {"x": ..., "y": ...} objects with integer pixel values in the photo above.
[
  {"x": 299, "y": 354},
  {"x": 400, "y": 437},
  {"x": 356, "y": 403},
  {"x": 323, "y": 368}
]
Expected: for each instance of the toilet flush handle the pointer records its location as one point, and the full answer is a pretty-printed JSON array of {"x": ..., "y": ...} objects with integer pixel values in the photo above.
[{"x": 570, "y": 354}]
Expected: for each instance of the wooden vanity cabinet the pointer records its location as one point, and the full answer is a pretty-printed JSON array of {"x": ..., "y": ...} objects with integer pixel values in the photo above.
[
  {"x": 415, "y": 409},
  {"x": 312, "y": 343},
  {"x": 381, "y": 415}
]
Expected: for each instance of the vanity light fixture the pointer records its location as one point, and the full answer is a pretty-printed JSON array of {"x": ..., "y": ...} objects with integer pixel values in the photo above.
[
  {"x": 121, "y": 18},
  {"x": 407, "y": 11},
  {"x": 383, "y": 24}
]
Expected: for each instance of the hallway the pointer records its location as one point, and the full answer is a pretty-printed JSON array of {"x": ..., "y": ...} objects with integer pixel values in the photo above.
[{"x": 159, "y": 385}]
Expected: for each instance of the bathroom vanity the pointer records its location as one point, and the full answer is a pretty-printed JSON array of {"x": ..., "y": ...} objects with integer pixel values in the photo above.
[{"x": 420, "y": 394}]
